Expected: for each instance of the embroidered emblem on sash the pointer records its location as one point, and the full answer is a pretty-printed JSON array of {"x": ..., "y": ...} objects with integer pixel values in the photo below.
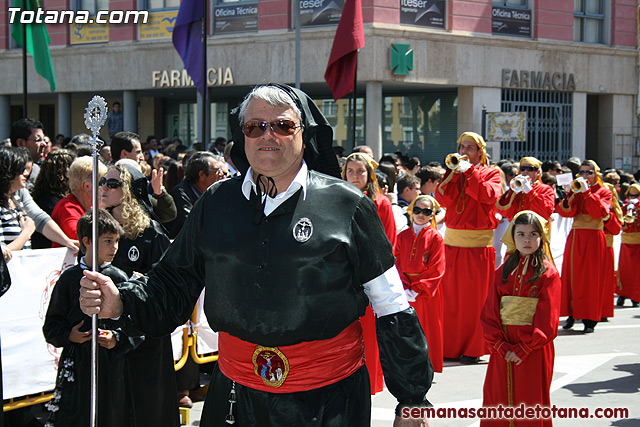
[
  {"x": 133, "y": 254},
  {"x": 271, "y": 365},
  {"x": 534, "y": 292},
  {"x": 303, "y": 230}
]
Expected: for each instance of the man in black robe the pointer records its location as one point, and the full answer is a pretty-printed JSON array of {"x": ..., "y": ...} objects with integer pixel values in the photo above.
[{"x": 290, "y": 258}]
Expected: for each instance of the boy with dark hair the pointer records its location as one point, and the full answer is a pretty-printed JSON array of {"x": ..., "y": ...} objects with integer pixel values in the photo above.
[
  {"x": 66, "y": 326},
  {"x": 430, "y": 177}
]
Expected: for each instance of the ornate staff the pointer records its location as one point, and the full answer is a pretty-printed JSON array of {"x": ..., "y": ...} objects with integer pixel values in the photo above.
[{"x": 94, "y": 117}]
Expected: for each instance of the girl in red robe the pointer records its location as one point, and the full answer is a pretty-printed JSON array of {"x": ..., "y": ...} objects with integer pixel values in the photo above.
[
  {"x": 359, "y": 170},
  {"x": 420, "y": 262},
  {"x": 520, "y": 322}
]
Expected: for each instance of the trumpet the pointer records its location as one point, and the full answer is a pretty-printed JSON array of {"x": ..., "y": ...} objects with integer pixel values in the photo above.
[
  {"x": 453, "y": 160},
  {"x": 579, "y": 185},
  {"x": 632, "y": 214},
  {"x": 518, "y": 182}
]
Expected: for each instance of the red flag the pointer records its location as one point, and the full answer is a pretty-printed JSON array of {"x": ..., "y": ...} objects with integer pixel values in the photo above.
[{"x": 341, "y": 70}]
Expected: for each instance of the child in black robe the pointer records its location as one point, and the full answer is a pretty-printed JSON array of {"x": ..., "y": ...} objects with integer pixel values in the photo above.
[{"x": 67, "y": 327}]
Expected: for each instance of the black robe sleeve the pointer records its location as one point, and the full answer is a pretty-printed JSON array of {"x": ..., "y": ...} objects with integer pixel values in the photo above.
[{"x": 404, "y": 357}]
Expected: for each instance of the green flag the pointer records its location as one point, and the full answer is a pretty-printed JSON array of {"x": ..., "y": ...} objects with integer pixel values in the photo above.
[{"x": 37, "y": 42}]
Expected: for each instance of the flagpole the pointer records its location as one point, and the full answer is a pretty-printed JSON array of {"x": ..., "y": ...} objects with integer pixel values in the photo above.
[
  {"x": 296, "y": 8},
  {"x": 24, "y": 61},
  {"x": 205, "y": 95},
  {"x": 353, "y": 97}
]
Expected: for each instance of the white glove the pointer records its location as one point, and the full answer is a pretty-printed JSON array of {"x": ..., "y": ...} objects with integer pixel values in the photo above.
[
  {"x": 526, "y": 186},
  {"x": 584, "y": 185},
  {"x": 463, "y": 166},
  {"x": 411, "y": 295}
]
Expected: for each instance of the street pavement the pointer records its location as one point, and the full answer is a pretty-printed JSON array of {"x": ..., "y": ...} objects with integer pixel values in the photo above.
[{"x": 599, "y": 370}]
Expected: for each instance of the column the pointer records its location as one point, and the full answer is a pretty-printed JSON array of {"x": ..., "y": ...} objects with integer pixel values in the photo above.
[
  {"x": 5, "y": 116},
  {"x": 206, "y": 138},
  {"x": 64, "y": 114},
  {"x": 130, "y": 110}
]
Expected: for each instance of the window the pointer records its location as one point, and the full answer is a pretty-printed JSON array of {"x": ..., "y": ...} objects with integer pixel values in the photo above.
[
  {"x": 93, "y": 6},
  {"x": 511, "y": 3},
  {"x": 162, "y": 4},
  {"x": 588, "y": 21},
  {"x": 329, "y": 108},
  {"x": 422, "y": 125}
]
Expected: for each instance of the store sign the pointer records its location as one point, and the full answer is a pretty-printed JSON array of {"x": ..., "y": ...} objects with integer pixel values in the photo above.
[
  {"x": 511, "y": 21},
  {"x": 180, "y": 78},
  {"x": 545, "y": 80},
  {"x": 236, "y": 19},
  {"x": 160, "y": 26},
  {"x": 401, "y": 59},
  {"x": 320, "y": 12},
  {"x": 89, "y": 33},
  {"x": 424, "y": 13}
]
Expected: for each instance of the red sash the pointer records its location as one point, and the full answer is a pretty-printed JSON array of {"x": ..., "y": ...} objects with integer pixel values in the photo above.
[{"x": 288, "y": 369}]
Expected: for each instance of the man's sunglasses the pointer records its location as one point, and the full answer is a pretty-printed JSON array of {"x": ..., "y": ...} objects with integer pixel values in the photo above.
[
  {"x": 281, "y": 127},
  {"x": 111, "y": 183},
  {"x": 528, "y": 169},
  {"x": 589, "y": 172},
  {"x": 423, "y": 211}
]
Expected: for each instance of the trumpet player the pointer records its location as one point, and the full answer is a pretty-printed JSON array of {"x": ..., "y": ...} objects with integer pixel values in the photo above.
[
  {"x": 468, "y": 191},
  {"x": 628, "y": 271},
  {"x": 583, "y": 273},
  {"x": 527, "y": 192},
  {"x": 612, "y": 227}
]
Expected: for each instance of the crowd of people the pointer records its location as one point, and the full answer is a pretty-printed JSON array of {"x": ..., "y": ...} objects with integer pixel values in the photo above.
[{"x": 401, "y": 257}]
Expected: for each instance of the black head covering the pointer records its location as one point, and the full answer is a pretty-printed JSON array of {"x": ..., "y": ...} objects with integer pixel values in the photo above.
[
  {"x": 317, "y": 135},
  {"x": 139, "y": 187}
]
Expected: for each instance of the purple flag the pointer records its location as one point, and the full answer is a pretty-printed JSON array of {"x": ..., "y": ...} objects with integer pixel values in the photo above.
[{"x": 187, "y": 39}]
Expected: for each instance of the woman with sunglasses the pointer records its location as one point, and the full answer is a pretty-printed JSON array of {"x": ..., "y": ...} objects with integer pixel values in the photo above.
[
  {"x": 359, "y": 170},
  {"x": 628, "y": 271},
  {"x": 583, "y": 273},
  {"x": 420, "y": 262},
  {"x": 154, "y": 389},
  {"x": 527, "y": 192}
]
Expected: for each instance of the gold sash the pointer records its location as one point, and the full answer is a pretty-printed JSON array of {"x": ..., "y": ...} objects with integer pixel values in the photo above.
[
  {"x": 584, "y": 221},
  {"x": 468, "y": 238},
  {"x": 609, "y": 239},
  {"x": 631, "y": 238},
  {"x": 517, "y": 311}
]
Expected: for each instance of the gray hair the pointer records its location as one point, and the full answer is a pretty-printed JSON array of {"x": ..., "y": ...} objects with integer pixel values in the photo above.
[{"x": 272, "y": 95}]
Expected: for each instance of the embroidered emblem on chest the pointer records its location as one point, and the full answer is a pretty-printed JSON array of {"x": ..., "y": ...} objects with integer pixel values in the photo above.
[
  {"x": 534, "y": 292},
  {"x": 271, "y": 365},
  {"x": 303, "y": 230},
  {"x": 133, "y": 254}
]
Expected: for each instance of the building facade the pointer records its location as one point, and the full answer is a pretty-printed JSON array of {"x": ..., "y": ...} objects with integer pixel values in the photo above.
[{"x": 424, "y": 76}]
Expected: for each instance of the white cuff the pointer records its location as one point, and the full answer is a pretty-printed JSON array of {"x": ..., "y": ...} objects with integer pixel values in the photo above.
[{"x": 386, "y": 293}]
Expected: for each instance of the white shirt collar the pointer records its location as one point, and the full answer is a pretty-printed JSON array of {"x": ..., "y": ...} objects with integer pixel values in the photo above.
[{"x": 300, "y": 181}]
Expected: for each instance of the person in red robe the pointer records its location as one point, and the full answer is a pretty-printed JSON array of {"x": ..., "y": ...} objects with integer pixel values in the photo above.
[
  {"x": 612, "y": 227},
  {"x": 527, "y": 192},
  {"x": 420, "y": 262},
  {"x": 628, "y": 272},
  {"x": 469, "y": 192},
  {"x": 359, "y": 170},
  {"x": 520, "y": 322},
  {"x": 583, "y": 272}
]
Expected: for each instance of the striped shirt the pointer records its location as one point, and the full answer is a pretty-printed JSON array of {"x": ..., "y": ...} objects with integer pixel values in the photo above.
[{"x": 10, "y": 224}]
